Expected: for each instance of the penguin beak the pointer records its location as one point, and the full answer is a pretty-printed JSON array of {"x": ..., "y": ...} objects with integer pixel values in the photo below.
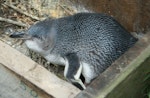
[{"x": 20, "y": 36}]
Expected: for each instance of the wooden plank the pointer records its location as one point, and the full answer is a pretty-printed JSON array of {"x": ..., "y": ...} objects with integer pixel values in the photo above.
[
  {"x": 136, "y": 85},
  {"x": 13, "y": 86},
  {"x": 35, "y": 73}
]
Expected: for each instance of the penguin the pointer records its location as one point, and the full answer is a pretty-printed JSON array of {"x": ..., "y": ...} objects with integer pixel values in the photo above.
[{"x": 86, "y": 44}]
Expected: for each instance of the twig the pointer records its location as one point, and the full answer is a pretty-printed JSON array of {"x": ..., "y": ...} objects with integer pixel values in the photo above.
[
  {"x": 13, "y": 22},
  {"x": 66, "y": 10},
  {"x": 22, "y": 12}
]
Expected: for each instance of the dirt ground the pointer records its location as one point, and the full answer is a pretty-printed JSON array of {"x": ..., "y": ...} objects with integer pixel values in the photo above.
[{"x": 18, "y": 15}]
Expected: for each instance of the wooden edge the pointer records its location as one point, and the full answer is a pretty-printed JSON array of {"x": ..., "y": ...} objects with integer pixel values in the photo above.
[
  {"x": 119, "y": 70},
  {"x": 14, "y": 86},
  {"x": 36, "y": 74}
]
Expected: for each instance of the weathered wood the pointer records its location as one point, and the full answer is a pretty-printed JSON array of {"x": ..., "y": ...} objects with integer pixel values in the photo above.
[
  {"x": 35, "y": 73},
  {"x": 112, "y": 83},
  {"x": 134, "y": 15},
  {"x": 13, "y": 86},
  {"x": 135, "y": 85}
]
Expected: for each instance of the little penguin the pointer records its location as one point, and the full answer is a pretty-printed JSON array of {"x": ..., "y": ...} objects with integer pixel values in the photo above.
[{"x": 85, "y": 43}]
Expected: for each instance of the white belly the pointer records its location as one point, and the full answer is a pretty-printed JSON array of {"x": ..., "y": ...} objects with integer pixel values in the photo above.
[
  {"x": 55, "y": 59},
  {"x": 88, "y": 72}
]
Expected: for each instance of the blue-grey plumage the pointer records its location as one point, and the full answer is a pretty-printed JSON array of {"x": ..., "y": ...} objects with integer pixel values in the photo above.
[{"x": 97, "y": 40}]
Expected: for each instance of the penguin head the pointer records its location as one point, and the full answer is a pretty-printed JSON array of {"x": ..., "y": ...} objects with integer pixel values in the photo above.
[{"x": 40, "y": 37}]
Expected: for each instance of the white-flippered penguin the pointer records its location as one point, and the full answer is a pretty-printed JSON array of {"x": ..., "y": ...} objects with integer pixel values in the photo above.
[{"x": 85, "y": 43}]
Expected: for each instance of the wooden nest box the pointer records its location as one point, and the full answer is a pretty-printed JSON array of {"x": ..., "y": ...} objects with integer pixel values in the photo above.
[{"x": 20, "y": 77}]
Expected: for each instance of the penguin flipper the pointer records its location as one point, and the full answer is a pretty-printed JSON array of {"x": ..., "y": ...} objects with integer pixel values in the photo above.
[{"x": 73, "y": 70}]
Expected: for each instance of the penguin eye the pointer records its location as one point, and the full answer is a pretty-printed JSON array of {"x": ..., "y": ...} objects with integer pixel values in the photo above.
[{"x": 46, "y": 47}]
